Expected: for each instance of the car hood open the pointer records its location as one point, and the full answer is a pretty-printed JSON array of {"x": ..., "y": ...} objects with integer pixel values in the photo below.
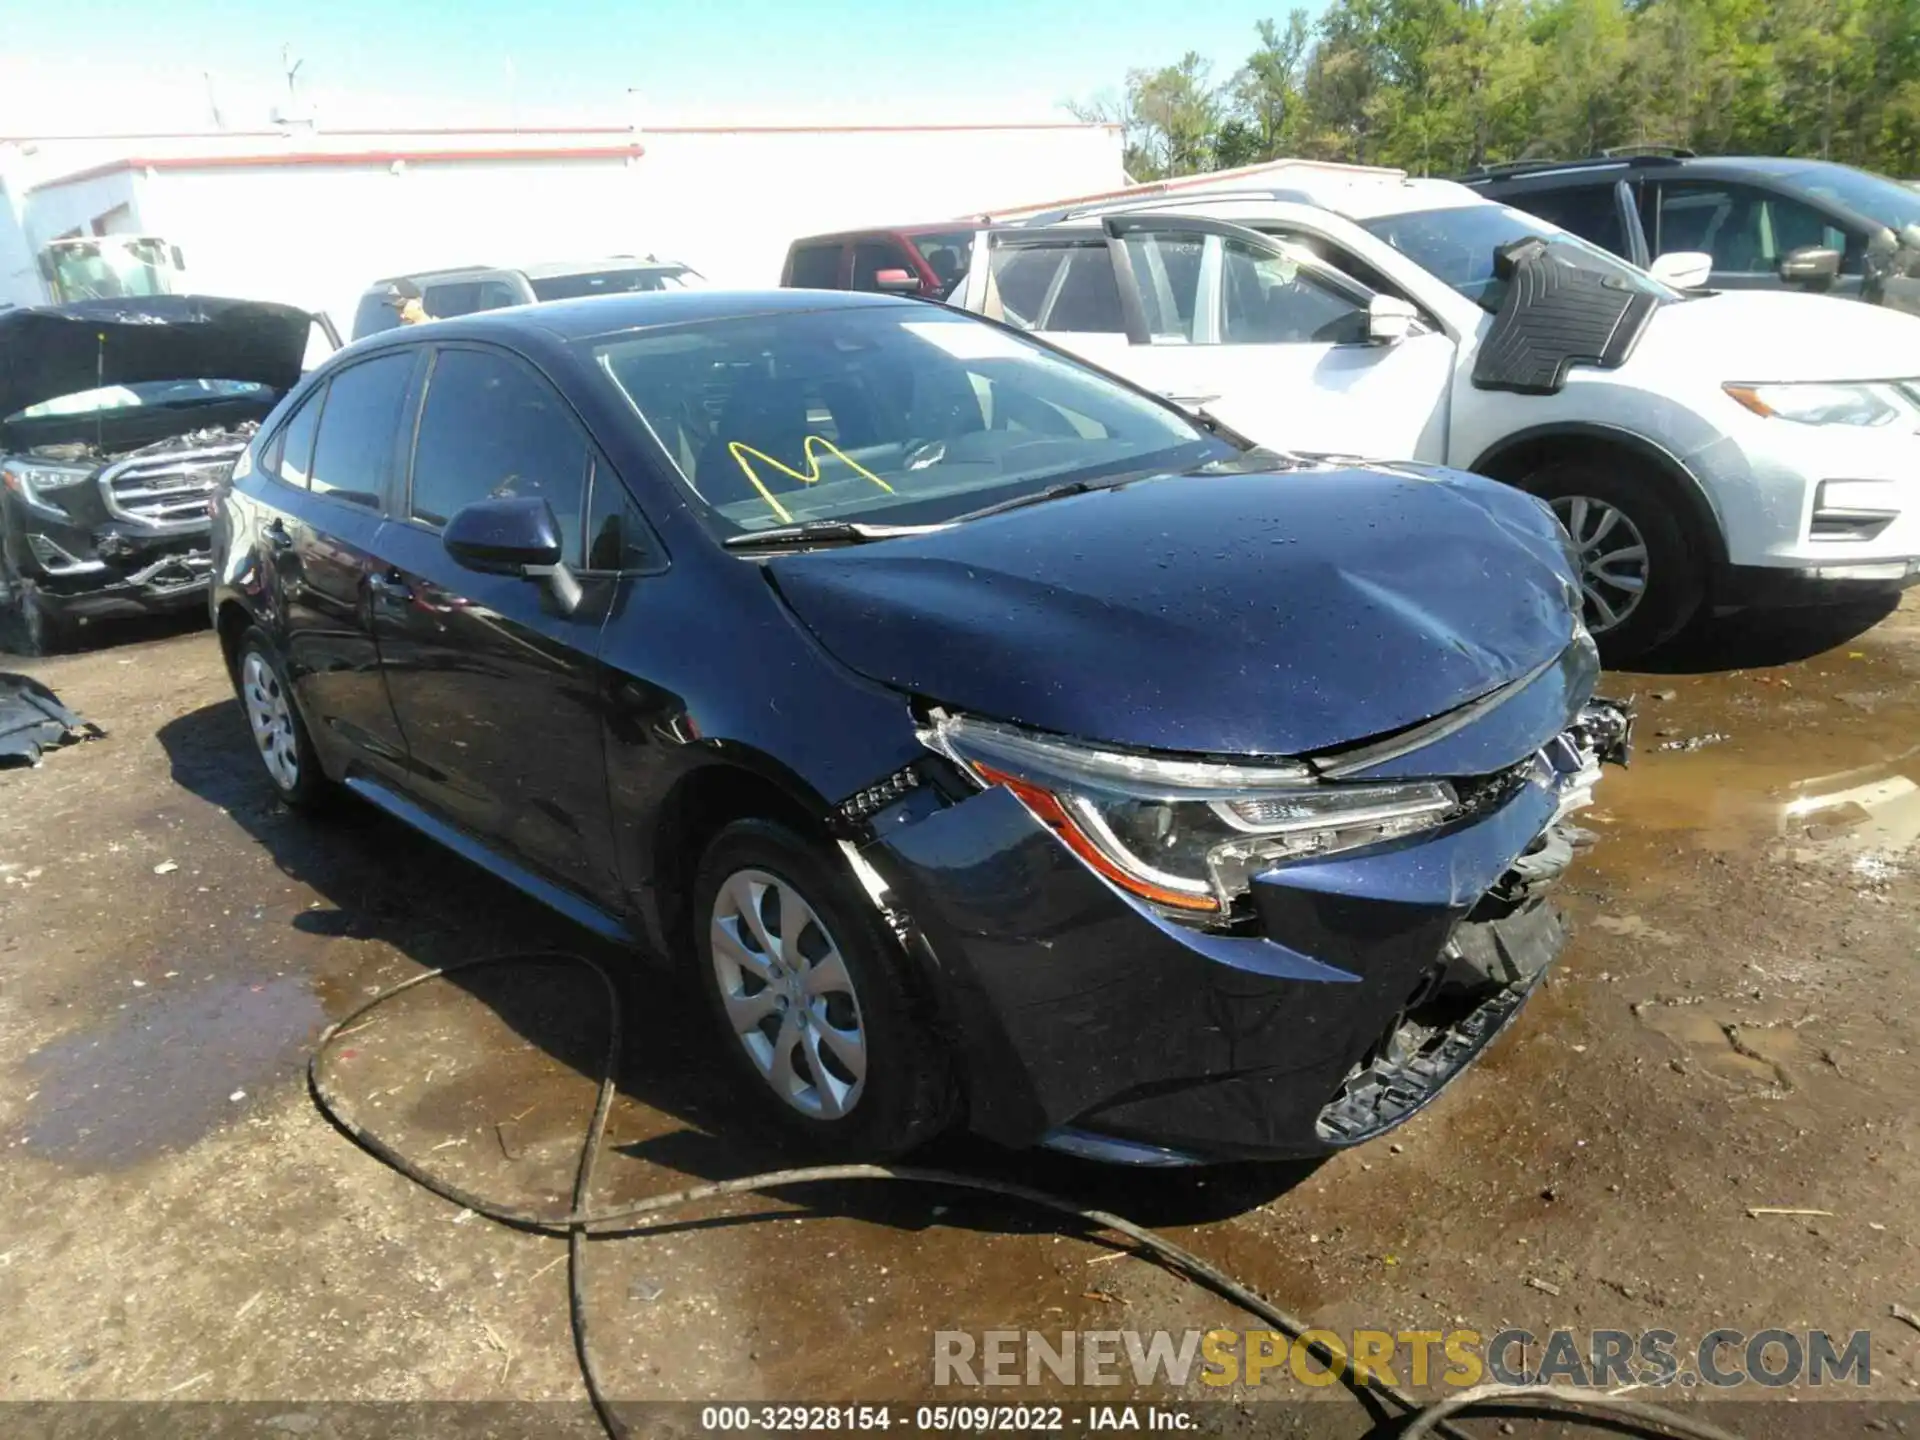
[
  {"x": 1264, "y": 614},
  {"x": 1758, "y": 336},
  {"x": 47, "y": 351}
]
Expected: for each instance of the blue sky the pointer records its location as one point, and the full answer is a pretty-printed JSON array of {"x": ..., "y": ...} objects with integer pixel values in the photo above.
[{"x": 500, "y": 61}]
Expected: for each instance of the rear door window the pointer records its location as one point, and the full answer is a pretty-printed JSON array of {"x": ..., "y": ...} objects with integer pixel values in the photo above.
[
  {"x": 1063, "y": 287},
  {"x": 360, "y": 428},
  {"x": 290, "y": 455},
  {"x": 492, "y": 428},
  {"x": 815, "y": 267}
]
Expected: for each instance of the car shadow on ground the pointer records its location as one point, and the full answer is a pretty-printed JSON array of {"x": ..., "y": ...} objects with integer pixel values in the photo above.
[
  {"x": 1757, "y": 639},
  {"x": 101, "y": 634},
  {"x": 380, "y": 881}
]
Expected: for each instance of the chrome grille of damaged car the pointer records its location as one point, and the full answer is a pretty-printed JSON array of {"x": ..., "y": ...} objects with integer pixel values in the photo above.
[{"x": 167, "y": 490}]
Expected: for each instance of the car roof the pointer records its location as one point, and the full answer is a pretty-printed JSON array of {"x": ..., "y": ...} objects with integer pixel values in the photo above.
[
  {"x": 1359, "y": 198},
  {"x": 1552, "y": 173},
  {"x": 452, "y": 272},
  {"x": 937, "y": 227},
  {"x": 554, "y": 268},
  {"x": 601, "y": 315}
]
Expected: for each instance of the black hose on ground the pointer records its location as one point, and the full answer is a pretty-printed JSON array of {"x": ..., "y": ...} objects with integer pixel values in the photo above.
[{"x": 1418, "y": 1418}]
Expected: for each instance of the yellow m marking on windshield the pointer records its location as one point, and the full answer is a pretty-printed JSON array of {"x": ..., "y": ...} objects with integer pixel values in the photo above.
[{"x": 811, "y": 449}]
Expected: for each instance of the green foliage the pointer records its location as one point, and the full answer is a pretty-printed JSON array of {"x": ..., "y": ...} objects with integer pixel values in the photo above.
[{"x": 1439, "y": 86}]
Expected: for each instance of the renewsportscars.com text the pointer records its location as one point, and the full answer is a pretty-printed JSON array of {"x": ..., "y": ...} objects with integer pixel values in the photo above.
[{"x": 1419, "y": 1359}]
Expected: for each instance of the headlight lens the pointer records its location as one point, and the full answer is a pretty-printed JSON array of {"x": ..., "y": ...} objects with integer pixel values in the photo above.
[
  {"x": 42, "y": 484},
  {"x": 1187, "y": 835},
  {"x": 1863, "y": 406}
]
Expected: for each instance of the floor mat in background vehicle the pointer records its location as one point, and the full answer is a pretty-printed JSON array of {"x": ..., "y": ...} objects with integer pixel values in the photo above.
[
  {"x": 32, "y": 719},
  {"x": 1556, "y": 316}
]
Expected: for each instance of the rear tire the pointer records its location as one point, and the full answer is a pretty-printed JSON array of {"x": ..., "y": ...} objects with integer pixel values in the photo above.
[
  {"x": 804, "y": 983},
  {"x": 280, "y": 736},
  {"x": 1643, "y": 572}
]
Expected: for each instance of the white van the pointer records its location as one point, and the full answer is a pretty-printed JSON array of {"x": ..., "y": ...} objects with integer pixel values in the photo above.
[{"x": 1701, "y": 448}]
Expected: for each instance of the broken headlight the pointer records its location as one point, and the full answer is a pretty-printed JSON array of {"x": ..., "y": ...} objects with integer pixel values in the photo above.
[
  {"x": 1865, "y": 405},
  {"x": 43, "y": 485},
  {"x": 1188, "y": 835}
]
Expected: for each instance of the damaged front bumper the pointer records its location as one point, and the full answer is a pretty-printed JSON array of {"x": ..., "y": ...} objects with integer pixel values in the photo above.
[
  {"x": 115, "y": 570},
  {"x": 1361, "y": 983}
]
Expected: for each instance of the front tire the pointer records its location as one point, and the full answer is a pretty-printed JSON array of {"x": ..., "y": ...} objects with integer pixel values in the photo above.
[
  {"x": 805, "y": 986},
  {"x": 280, "y": 736},
  {"x": 1642, "y": 575},
  {"x": 42, "y": 629}
]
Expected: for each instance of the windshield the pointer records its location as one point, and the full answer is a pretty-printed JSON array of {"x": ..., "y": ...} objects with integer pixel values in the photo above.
[
  {"x": 1458, "y": 244},
  {"x": 149, "y": 393},
  {"x": 893, "y": 414},
  {"x": 614, "y": 282},
  {"x": 109, "y": 268},
  {"x": 1872, "y": 197}
]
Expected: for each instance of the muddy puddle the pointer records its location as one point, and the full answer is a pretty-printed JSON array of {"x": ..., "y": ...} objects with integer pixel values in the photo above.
[
  {"x": 178, "y": 1062},
  {"x": 1817, "y": 761}
]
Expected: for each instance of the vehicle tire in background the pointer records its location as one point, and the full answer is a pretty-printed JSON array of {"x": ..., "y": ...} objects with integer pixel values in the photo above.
[
  {"x": 804, "y": 982},
  {"x": 280, "y": 736},
  {"x": 36, "y": 628},
  {"x": 1642, "y": 576}
]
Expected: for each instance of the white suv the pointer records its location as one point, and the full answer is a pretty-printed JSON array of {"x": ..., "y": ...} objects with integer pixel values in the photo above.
[{"x": 1718, "y": 449}]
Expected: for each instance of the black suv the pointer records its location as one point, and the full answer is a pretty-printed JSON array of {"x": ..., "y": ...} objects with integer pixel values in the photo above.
[{"x": 1767, "y": 221}]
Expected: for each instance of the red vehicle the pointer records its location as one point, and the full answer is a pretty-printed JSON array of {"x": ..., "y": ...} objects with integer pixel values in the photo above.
[{"x": 904, "y": 260}]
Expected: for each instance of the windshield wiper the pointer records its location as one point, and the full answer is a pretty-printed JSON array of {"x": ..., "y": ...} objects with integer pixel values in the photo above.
[
  {"x": 822, "y": 532},
  {"x": 1038, "y": 497},
  {"x": 1058, "y": 492}
]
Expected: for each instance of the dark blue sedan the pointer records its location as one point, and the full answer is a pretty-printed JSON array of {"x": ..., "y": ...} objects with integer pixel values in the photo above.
[{"x": 997, "y": 742}]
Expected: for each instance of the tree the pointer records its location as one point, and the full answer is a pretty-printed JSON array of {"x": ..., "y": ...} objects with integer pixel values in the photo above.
[
  {"x": 1170, "y": 118},
  {"x": 1438, "y": 86},
  {"x": 1266, "y": 98}
]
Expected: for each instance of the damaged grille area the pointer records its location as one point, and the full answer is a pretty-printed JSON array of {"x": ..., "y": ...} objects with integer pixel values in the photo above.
[{"x": 1496, "y": 956}]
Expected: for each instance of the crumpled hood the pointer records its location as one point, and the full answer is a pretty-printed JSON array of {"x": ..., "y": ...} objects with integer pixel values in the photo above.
[
  {"x": 51, "y": 350},
  {"x": 1778, "y": 335},
  {"x": 1266, "y": 613}
]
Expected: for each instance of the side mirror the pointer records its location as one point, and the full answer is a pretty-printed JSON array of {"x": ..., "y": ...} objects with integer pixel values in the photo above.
[
  {"x": 1389, "y": 320},
  {"x": 504, "y": 537},
  {"x": 897, "y": 282},
  {"x": 1811, "y": 265},
  {"x": 1683, "y": 269}
]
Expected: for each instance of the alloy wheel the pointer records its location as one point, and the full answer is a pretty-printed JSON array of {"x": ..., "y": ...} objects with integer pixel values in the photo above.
[
  {"x": 1613, "y": 559},
  {"x": 271, "y": 718},
  {"x": 788, "y": 995}
]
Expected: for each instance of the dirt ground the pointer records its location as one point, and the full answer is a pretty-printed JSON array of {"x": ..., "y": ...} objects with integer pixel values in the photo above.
[{"x": 1735, "y": 1026}]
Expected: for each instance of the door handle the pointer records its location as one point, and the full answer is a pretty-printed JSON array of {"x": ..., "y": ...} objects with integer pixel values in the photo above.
[
  {"x": 277, "y": 536},
  {"x": 389, "y": 587}
]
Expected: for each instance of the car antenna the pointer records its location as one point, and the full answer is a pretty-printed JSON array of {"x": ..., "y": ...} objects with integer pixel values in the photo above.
[{"x": 99, "y": 383}]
